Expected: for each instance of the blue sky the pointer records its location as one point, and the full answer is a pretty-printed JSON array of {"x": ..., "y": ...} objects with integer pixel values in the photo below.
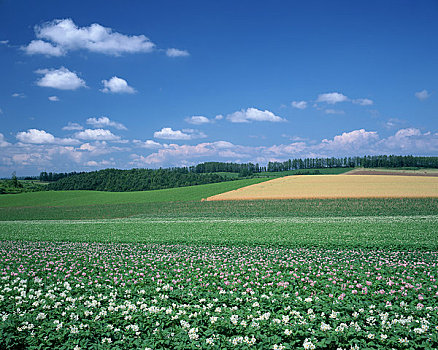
[{"x": 98, "y": 84}]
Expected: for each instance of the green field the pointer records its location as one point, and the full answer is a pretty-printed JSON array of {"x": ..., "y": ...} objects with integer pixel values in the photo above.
[
  {"x": 401, "y": 232},
  {"x": 165, "y": 270},
  {"x": 75, "y": 198}
]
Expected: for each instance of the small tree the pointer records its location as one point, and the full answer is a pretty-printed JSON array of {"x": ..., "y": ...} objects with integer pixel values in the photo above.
[{"x": 14, "y": 180}]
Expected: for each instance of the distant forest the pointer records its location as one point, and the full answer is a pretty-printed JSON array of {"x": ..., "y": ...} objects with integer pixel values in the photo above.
[
  {"x": 205, "y": 173},
  {"x": 115, "y": 180}
]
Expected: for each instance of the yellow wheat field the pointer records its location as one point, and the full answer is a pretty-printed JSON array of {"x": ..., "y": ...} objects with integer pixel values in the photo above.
[{"x": 336, "y": 186}]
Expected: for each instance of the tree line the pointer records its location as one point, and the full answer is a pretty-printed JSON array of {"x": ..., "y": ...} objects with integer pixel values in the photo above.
[
  {"x": 49, "y": 177},
  {"x": 205, "y": 173},
  {"x": 381, "y": 161},
  {"x": 115, "y": 180}
]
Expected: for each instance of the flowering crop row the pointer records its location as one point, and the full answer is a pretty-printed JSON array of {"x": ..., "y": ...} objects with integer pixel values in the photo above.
[{"x": 156, "y": 296}]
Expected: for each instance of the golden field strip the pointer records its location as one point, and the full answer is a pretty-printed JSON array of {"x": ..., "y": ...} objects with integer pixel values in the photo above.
[{"x": 336, "y": 186}]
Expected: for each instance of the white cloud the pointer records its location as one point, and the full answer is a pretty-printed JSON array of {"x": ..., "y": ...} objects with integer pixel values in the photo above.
[
  {"x": 18, "y": 94},
  {"x": 334, "y": 111},
  {"x": 253, "y": 114},
  {"x": 62, "y": 35},
  {"x": 183, "y": 152},
  {"x": 117, "y": 85},
  {"x": 410, "y": 141},
  {"x": 53, "y": 98},
  {"x": 177, "y": 53},
  {"x": 185, "y": 134},
  {"x": 197, "y": 120},
  {"x": 149, "y": 144},
  {"x": 43, "y": 48},
  {"x": 87, "y": 147},
  {"x": 219, "y": 117},
  {"x": 105, "y": 122},
  {"x": 332, "y": 98},
  {"x": 4, "y": 42},
  {"x": 363, "y": 101},
  {"x": 61, "y": 78},
  {"x": 422, "y": 95},
  {"x": 72, "y": 126},
  {"x": 97, "y": 134},
  {"x": 94, "y": 163},
  {"x": 356, "y": 140},
  {"x": 407, "y": 132},
  {"x": 3, "y": 142},
  {"x": 299, "y": 104},
  {"x": 35, "y": 136}
]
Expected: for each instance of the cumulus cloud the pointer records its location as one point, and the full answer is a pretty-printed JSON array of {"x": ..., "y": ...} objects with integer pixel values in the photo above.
[
  {"x": 72, "y": 126},
  {"x": 62, "y": 35},
  {"x": 183, "y": 152},
  {"x": 356, "y": 140},
  {"x": 53, "y": 98},
  {"x": 332, "y": 98},
  {"x": 103, "y": 122},
  {"x": 117, "y": 85},
  {"x": 197, "y": 120},
  {"x": 35, "y": 136},
  {"x": 253, "y": 114},
  {"x": 3, "y": 142},
  {"x": 177, "y": 53},
  {"x": 61, "y": 79},
  {"x": 407, "y": 132},
  {"x": 299, "y": 104},
  {"x": 422, "y": 95},
  {"x": 97, "y": 134},
  {"x": 149, "y": 144},
  {"x": 43, "y": 48},
  {"x": 38, "y": 149},
  {"x": 412, "y": 141},
  {"x": 93, "y": 163},
  {"x": 185, "y": 134},
  {"x": 363, "y": 101}
]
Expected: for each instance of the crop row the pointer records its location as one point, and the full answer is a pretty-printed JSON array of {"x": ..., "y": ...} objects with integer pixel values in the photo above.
[
  {"x": 154, "y": 296},
  {"x": 418, "y": 232}
]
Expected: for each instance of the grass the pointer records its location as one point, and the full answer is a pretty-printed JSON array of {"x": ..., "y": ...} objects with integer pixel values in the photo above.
[
  {"x": 339, "y": 186},
  {"x": 401, "y": 232},
  {"x": 80, "y": 198}
]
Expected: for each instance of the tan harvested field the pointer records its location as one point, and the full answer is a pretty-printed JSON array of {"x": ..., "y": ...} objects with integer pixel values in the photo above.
[
  {"x": 401, "y": 172},
  {"x": 336, "y": 186}
]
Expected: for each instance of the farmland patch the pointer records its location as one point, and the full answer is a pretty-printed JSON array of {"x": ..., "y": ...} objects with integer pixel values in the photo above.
[{"x": 336, "y": 186}]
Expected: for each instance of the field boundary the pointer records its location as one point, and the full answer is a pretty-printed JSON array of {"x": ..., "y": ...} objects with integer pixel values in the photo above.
[{"x": 297, "y": 220}]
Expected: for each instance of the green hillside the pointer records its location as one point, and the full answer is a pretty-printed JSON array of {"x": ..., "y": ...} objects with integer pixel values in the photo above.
[{"x": 81, "y": 198}]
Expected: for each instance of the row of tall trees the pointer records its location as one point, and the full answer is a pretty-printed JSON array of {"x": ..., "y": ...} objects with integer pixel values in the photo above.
[
  {"x": 133, "y": 180},
  {"x": 381, "y": 161},
  {"x": 49, "y": 177},
  {"x": 214, "y": 167}
]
